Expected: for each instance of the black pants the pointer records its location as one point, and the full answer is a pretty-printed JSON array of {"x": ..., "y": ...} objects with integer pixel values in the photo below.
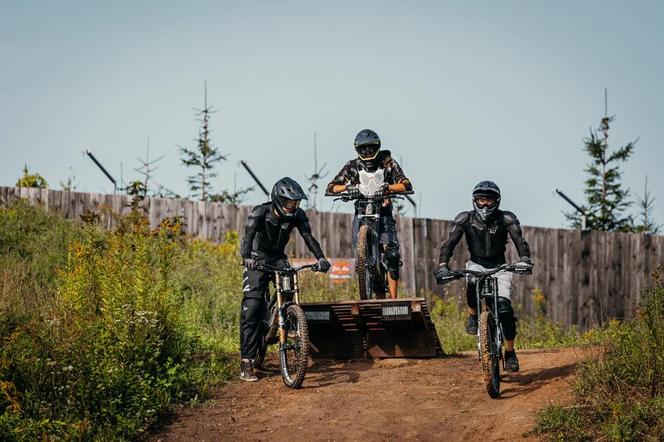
[{"x": 255, "y": 285}]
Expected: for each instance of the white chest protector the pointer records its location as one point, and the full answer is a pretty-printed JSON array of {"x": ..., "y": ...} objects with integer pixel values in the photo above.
[{"x": 370, "y": 182}]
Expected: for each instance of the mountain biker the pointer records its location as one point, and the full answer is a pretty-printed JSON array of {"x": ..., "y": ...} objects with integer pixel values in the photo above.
[
  {"x": 486, "y": 229},
  {"x": 372, "y": 159},
  {"x": 267, "y": 231}
]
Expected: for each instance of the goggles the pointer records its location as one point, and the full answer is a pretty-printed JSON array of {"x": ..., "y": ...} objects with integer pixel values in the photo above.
[
  {"x": 368, "y": 151},
  {"x": 483, "y": 201},
  {"x": 291, "y": 205}
]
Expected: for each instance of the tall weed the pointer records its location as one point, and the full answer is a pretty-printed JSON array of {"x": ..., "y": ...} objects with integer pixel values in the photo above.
[
  {"x": 621, "y": 395},
  {"x": 108, "y": 348}
]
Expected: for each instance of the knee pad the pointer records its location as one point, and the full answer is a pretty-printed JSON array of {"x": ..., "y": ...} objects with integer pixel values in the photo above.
[
  {"x": 393, "y": 259},
  {"x": 507, "y": 318},
  {"x": 471, "y": 296}
]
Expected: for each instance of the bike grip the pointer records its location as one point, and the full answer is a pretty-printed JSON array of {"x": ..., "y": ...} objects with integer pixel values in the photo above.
[{"x": 445, "y": 280}]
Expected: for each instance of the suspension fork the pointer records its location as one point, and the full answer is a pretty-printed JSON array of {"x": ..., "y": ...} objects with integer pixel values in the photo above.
[
  {"x": 375, "y": 256},
  {"x": 499, "y": 326},
  {"x": 375, "y": 235},
  {"x": 496, "y": 318},
  {"x": 498, "y": 336},
  {"x": 296, "y": 285},
  {"x": 478, "y": 311},
  {"x": 280, "y": 313}
]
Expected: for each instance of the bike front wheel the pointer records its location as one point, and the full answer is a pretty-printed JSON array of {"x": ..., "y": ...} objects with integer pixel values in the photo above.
[
  {"x": 294, "y": 351},
  {"x": 489, "y": 354}
]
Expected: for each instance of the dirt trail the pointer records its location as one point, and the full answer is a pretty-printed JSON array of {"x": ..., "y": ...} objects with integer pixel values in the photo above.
[{"x": 390, "y": 399}]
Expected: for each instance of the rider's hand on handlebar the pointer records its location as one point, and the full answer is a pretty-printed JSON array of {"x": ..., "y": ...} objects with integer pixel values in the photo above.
[
  {"x": 525, "y": 265},
  {"x": 353, "y": 191},
  {"x": 323, "y": 265},
  {"x": 380, "y": 193},
  {"x": 443, "y": 272},
  {"x": 250, "y": 263}
]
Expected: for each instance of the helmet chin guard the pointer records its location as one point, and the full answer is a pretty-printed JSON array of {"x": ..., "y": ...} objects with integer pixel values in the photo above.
[
  {"x": 485, "y": 213},
  {"x": 490, "y": 190}
]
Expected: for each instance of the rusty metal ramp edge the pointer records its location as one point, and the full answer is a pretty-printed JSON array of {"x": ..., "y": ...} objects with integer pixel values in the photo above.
[{"x": 381, "y": 328}]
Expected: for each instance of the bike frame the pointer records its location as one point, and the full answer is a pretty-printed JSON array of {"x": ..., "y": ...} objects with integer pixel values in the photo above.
[
  {"x": 284, "y": 309},
  {"x": 287, "y": 292},
  {"x": 487, "y": 288}
]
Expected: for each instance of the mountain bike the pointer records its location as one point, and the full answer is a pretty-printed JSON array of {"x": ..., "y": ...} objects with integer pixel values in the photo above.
[
  {"x": 285, "y": 323},
  {"x": 489, "y": 330},
  {"x": 370, "y": 264}
]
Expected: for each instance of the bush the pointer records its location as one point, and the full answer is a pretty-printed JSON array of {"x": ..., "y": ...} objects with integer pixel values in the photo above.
[
  {"x": 94, "y": 344},
  {"x": 621, "y": 395}
]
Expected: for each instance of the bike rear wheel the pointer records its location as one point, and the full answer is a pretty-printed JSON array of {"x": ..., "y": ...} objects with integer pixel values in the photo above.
[
  {"x": 294, "y": 351},
  {"x": 364, "y": 273},
  {"x": 489, "y": 355}
]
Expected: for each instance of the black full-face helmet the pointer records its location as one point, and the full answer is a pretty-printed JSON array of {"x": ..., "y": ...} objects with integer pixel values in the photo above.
[
  {"x": 367, "y": 145},
  {"x": 486, "y": 199},
  {"x": 286, "y": 196}
]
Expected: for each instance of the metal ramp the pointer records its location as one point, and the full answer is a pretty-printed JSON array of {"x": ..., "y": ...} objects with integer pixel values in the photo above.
[{"x": 381, "y": 328}]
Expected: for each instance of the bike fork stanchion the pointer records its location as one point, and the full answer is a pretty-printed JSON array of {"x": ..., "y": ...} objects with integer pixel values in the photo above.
[{"x": 282, "y": 334}]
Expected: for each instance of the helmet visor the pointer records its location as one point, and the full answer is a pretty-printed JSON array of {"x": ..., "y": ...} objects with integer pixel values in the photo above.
[
  {"x": 484, "y": 201},
  {"x": 368, "y": 151},
  {"x": 291, "y": 206}
]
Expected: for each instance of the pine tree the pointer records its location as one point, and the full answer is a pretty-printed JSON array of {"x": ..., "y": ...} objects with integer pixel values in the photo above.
[
  {"x": 204, "y": 157},
  {"x": 606, "y": 199},
  {"x": 147, "y": 169},
  {"x": 646, "y": 209}
]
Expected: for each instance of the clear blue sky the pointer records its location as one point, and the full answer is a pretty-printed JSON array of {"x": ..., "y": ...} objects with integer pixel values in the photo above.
[{"x": 460, "y": 91}]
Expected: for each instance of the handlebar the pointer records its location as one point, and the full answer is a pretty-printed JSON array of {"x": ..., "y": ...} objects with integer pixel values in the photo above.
[
  {"x": 457, "y": 274},
  {"x": 269, "y": 268},
  {"x": 346, "y": 197}
]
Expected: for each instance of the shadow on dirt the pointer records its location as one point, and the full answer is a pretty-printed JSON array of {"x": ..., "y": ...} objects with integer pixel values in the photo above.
[
  {"x": 533, "y": 380},
  {"x": 325, "y": 373}
]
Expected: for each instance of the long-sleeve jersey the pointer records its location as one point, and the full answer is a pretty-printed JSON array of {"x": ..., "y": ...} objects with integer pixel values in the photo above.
[
  {"x": 486, "y": 241},
  {"x": 393, "y": 174},
  {"x": 266, "y": 234}
]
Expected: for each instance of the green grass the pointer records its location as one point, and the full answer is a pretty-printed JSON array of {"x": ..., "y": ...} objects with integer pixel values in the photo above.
[
  {"x": 620, "y": 396},
  {"x": 94, "y": 342}
]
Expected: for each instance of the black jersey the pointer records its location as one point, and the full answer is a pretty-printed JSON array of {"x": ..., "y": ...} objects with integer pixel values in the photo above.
[
  {"x": 486, "y": 241},
  {"x": 267, "y": 234}
]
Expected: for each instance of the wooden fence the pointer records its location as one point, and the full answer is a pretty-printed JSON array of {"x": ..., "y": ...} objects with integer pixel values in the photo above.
[{"x": 585, "y": 278}]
